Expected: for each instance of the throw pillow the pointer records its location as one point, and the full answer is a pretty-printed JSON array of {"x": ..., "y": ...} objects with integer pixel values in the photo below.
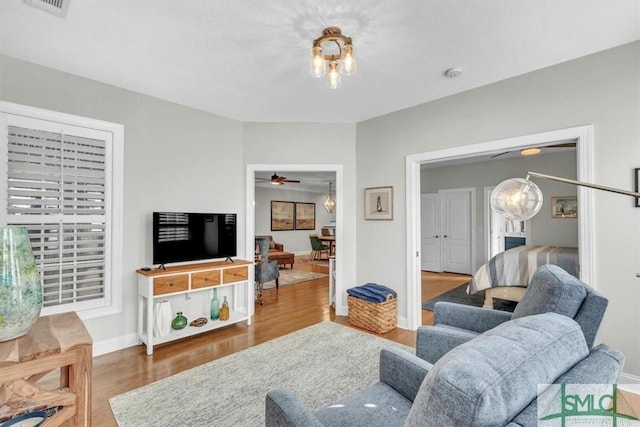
[
  {"x": 272, "y": 244},
  {"x": 551, "y": 290}
]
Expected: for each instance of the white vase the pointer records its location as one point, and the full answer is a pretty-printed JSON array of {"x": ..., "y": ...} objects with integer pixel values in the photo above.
[{"x": 162, "y": 319}]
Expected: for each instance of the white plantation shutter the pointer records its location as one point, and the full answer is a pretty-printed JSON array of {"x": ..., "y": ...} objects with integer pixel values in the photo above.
[{"x": 58, "y": 184}]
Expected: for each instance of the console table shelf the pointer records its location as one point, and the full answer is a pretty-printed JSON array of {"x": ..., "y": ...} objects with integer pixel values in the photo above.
[{"x": 189, "y": 287}]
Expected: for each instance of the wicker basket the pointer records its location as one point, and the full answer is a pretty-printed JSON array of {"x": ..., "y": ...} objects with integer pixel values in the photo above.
[{"x": 375, "y": 317}]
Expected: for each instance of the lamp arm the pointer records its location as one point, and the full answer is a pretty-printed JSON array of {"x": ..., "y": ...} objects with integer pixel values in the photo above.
[{"x": 584, "y": 184}]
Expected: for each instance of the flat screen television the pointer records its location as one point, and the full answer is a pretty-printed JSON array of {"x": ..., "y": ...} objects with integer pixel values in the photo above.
[{"x": 184, "y": 236}]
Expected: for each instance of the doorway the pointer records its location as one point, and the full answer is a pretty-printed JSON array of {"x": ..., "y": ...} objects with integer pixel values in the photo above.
[
  {"x": 250, "y": 217},
  {"x": 583, "y": 135}
]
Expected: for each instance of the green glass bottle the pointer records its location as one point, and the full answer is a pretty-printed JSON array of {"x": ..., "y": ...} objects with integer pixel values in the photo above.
[
  {"x": 215, "y": 305},
  {"x": 179, "y": 322}
]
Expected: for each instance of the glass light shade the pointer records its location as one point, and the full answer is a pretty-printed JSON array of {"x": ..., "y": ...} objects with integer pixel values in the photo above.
[
  {"x": 20, "y": 288},
  {"x": 348, "y": 61},
  {"x": 317, "y": 62},
  {"x": 516, "y": 198},
  {"x": 329, "y": 203},
  {"x": 334, "y": 80}
]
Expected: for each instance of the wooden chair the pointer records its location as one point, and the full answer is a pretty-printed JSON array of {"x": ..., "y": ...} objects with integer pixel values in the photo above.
[{"x": 317, "y": 248}]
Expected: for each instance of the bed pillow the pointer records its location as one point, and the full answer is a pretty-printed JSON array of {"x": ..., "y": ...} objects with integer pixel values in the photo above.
[{"x": 551, "y": 290}]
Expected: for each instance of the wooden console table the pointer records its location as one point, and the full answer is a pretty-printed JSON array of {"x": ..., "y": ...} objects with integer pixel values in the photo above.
[{"x": 55, "y": 342}]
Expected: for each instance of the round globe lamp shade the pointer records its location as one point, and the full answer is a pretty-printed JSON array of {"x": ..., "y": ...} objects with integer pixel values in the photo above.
[
  {"x": 20, "y": 288},
  {"x": 517, "y": 198}
]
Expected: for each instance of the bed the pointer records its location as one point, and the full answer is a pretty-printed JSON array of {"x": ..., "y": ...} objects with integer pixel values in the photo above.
[{"x": 507, "y": 274}]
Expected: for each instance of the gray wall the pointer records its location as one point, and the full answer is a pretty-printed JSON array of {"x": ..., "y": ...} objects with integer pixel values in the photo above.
[
  {"x": 544, "y": 229},
  {"x": 296, "y": 241},
  {"x": 578, "y": 92},
  {"x": 175, "y": 159}
]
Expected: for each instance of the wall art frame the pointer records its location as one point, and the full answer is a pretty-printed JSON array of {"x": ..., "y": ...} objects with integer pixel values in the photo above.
[
  {"x": 305, "y": 216},
  {"x": 282, "y": 215},
  {"x": 378, "y": 203},
  {"x": 564, "y": 207}
]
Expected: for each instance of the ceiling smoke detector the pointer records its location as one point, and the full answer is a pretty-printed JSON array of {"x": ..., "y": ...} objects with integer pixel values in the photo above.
[
  {"x": 453, "y": 72},
  {"x": 55, "y": 7}
]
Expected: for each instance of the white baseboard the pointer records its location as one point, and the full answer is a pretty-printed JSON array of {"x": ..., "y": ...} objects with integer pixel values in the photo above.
[
  {"x": 628, "y": 379},
  {"x": 114, "y": 344}
]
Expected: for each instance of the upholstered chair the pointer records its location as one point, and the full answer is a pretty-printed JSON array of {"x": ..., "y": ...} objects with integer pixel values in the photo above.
[
  {"x": 551, "y": 290},
  {"x": 489, "y": 381},
  {"x": 265, "y": 270},
  {"x": 317, "y": 248}
]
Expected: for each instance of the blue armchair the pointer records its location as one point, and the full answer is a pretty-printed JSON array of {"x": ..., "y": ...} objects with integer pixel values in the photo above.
[
  {"x": 489, "y": 381},
  {"x": 265, "y": 270},
  {"x": 551, "y": 290}
]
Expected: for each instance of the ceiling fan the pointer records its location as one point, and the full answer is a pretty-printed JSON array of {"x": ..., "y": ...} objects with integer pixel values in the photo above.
[
  {"x": 536, "y": 150},
  {"x": 277, "y": 180}
]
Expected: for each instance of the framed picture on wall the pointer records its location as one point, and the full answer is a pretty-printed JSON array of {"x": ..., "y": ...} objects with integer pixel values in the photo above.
[
  {"x": 282, "y": 215},
  {"x": 564, "y": 207},
  {"x": 305, "y": 216},
  {"x": 378, "y": 203}
]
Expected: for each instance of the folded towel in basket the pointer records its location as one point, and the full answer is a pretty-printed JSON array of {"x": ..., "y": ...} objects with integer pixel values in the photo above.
[{"x": 372, "y": 292}]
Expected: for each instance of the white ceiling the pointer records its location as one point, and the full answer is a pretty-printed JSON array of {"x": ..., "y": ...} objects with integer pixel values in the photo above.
[
  {"x": 248, "y": 59},
  {"x": 314, "y": 182}
]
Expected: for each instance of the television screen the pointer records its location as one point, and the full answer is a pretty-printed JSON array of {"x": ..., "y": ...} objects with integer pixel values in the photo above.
[{"x": 181, "y": 236}]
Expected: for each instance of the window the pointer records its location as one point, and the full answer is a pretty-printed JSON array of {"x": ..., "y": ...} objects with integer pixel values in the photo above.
[{"x": 63, "y": 182}]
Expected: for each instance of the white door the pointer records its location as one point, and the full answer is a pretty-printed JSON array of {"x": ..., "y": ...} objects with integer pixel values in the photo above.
[
  {"x": 456, "y": 230},
  {"x": 430, "y": 225}
]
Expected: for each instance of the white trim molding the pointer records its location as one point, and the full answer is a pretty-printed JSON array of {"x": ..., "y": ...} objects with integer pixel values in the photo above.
[{"x": 584, "y": 137}]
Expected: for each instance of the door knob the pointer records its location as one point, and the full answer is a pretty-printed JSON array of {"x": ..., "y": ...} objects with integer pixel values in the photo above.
[
  {"x": 445, "y": 236},
  {"x": 436, "y": 236}
]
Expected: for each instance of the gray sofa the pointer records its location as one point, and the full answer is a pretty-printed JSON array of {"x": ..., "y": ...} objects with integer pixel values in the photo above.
[
  {"x": 490, "y": 380},
  {"x": 551, "y": 289}
]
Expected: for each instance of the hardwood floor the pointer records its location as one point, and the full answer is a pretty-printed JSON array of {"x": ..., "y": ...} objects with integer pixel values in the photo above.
[{"x": 284, "y": 311}]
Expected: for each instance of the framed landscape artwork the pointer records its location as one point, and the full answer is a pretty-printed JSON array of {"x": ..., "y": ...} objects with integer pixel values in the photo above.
[
  {"x": 305, "y": 216},
  {"x": 282, "y": 215},
  {"x": 564, "y": 207},
  {"x": 378, "y": 203}
]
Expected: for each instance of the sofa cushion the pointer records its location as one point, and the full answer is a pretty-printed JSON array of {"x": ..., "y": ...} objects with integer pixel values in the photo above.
[
  {"x": 491, "y": 379},
  {"x": 551, "y": 290},
  {"x": 272, "y": 244}
]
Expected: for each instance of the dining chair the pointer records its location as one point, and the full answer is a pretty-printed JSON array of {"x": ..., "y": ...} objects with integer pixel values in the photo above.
[{"x": 317, "y": 248}]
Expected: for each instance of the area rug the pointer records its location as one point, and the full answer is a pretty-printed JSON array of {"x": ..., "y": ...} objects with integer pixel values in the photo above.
[
  {"x": 290, "y": 277},
  {"x": 320, "y": 364},
  {"x": 459, "y": 295}
]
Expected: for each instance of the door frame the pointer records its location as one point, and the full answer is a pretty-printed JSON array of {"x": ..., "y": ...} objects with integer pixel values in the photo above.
[
  {"x": 584, "y": 137},
  {"x": 250, "y": 212}
]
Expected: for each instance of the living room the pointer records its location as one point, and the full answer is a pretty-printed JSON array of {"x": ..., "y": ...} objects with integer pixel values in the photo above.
[{"x": 183, "y": 158}]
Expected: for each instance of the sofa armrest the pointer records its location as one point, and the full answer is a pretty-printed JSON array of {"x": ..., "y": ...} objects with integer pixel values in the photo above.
[
  {"x": 467, "y": 317},
  {"x": 433, "y": 342},
  {"x": 283, "y": 409},
  {"x": 279, "y": 247},
  {"x": 402, "y": 371}
]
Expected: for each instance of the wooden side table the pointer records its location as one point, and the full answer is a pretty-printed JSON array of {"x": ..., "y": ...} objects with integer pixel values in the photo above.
[{"x": 55, "y": 342}]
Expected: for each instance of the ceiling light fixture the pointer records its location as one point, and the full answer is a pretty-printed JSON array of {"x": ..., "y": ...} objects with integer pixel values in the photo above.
[
  {"x": 330, "y": 202},
  {"x": 521, "y": 199},
  {"x": 530, "y": 151},
  {"x": 332, "y": 53}
]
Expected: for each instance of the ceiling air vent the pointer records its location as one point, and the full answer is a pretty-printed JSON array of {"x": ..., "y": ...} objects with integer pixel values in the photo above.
[{"x": 56, "y": 7}]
